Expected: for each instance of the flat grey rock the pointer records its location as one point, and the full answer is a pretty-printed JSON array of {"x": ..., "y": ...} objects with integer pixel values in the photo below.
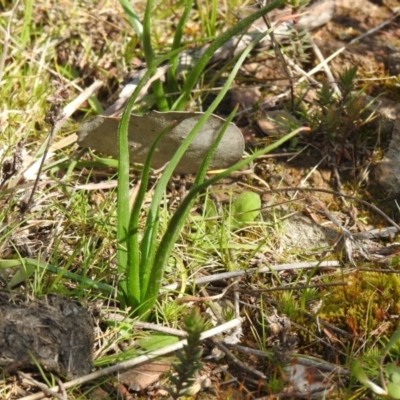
[{"x": 100, "y": 134}]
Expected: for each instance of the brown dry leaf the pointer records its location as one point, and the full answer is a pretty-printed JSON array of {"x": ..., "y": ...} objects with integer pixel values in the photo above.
[
  {"x": 331, "y": 336},
  {"x": 351, "y": 322},
  {"x": 144, "y": 375},
  {"x": 101, "y": 134},
  {"x": 308, "y": 380},
  {"x": 381, "y": 329}
]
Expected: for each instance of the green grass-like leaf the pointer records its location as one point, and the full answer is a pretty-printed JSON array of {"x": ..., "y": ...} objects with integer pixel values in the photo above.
[
  {"x": 136, "y": 270},
  {"x": 123, "y": 171},
  {"x": 133, "y": 18},
  {"x": 172, "y": 79},
  {"x": 151, "y": 58}
]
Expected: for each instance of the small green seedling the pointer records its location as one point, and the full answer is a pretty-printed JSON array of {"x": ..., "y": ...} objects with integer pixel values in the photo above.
[
  {"x": 392, "y": 373},
  {"x": 189, "y": 357},
  {"x": 245, "y": 209},
  {"x": 390, "y": 379}
]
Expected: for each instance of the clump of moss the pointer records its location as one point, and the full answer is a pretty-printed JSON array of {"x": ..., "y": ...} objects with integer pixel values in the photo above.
[{"x": 370, "y": 299}]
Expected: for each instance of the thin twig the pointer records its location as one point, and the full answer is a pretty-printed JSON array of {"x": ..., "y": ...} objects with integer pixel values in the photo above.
[
  {"x": 61, "y": 387},
  {"x": 327, "y": 70},
  {"x": 57, "y": 123},
  {"x": 70, "y": 108},
  {"x": 186, "y": 299},
  {"x": 42, "y": 386},
  {"x": 262, "y": 270},
  {"x": 239, "y": 363},
  {"x": 145, "y": 325},
  {"x": 300, "y": 359}
]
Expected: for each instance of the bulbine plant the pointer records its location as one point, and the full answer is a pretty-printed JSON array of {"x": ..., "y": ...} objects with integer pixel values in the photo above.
[{"x": 141, "y": 257}]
